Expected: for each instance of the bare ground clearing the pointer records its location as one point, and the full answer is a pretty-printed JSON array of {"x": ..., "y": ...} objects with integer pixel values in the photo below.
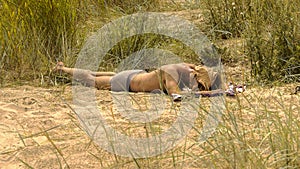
[{"x": 38, "y": 128}]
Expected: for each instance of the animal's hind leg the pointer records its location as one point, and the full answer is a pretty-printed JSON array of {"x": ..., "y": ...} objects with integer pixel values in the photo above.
[
  {"x": 97, "y": 74},
  {"x": 103, "y": 82},
  {"x": 84, "y": 77},
  {"x": 87, "y": 78}
]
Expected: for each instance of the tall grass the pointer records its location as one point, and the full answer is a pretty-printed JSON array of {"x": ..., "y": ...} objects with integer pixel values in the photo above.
[
  {"x": 35, "y": 34},
  {"x": 136, "y": 43},
  {"x": 273, "y": 40},
  {"x": 271, "y": 31},
  {"x": 264, "y": 135},
  {"x": 227, "y": 17}
]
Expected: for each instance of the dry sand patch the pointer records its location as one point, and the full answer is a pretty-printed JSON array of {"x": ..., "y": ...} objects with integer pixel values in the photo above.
[{"x": 38, "y": 128}]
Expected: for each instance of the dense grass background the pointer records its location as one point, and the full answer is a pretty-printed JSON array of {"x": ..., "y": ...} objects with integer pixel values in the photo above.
[
  {"x": 270, "y": 29},
  {"x": 35, "y": 34}
]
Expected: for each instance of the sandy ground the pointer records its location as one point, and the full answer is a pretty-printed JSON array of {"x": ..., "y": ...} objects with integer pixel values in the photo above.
[
  {"x": 31, "y": 118},
  {"x": 22, "y": 108},
  {"x": 39, "y": 129}
]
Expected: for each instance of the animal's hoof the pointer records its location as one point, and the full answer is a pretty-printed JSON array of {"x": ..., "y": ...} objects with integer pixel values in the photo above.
[
  {"x": 59, "y": 66},
  {"x": 176, "y": 97},
  {"x": 230, "y": 92}
]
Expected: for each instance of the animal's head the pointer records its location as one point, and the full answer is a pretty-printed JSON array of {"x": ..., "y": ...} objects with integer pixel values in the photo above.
[{"x": 205, "y": 77}]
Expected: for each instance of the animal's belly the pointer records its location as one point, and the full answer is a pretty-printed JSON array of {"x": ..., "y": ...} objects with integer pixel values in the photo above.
[{"x": 145, "y": 82}]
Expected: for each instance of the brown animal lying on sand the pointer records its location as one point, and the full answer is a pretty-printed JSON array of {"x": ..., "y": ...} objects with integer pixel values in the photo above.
[{"x": 173, "y": 79}]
